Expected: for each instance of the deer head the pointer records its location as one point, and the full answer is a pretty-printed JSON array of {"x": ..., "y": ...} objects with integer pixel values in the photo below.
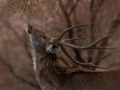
[{"x": 42, "y": 41}]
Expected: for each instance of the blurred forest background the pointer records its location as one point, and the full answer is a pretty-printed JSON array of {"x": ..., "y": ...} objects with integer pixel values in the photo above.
[{"x": 52, "y": 17}]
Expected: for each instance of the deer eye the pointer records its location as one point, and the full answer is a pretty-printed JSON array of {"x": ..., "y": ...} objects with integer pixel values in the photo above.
[{"x": 44, "y": 37}]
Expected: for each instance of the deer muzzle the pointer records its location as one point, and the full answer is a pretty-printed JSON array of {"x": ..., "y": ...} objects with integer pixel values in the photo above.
[
  {"x": 53, "y": 48},
  {"x": 29, "y": 29}
]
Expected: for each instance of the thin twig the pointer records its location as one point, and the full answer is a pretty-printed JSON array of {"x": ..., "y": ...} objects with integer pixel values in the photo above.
[{"x": 73, "y": 8}]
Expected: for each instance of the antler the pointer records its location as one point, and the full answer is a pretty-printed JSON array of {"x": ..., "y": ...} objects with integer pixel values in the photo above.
[
  {"x": 91, "y": 64},
  {"x": 92, "y": 46},
  {"x": 66, "y": 40},
  {"x": 62, "y": 34}
]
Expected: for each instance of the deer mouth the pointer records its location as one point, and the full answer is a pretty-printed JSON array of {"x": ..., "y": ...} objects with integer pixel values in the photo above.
[{"x": 53, "y": 48}]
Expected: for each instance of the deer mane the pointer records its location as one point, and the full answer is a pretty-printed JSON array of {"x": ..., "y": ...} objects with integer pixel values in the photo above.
[{"x": 47, "y": 62}]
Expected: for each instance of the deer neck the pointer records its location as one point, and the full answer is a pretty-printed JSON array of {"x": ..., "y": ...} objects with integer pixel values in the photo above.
[
  {"x": 47, "y": 70},
  {"x": 44, "y": 61}
]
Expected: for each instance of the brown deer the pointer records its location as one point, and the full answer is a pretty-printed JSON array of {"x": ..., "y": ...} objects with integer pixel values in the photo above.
[{"x": 53, "y": 76}]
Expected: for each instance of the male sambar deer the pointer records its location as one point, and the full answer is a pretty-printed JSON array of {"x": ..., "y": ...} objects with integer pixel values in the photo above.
[{"x": 52, "y": 76}]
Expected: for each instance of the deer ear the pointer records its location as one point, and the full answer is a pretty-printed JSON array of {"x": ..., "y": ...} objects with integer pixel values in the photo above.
[{"x": 53, "y": 48}]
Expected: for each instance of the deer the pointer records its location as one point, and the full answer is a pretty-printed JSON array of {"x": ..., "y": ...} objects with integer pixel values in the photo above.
[{"x": 53, "y": 76}]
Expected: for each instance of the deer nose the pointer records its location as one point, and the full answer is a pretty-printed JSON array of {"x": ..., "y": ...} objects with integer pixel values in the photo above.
[
  {"x": 28, "y": 25},
  {"x": 29, "y": 28}
]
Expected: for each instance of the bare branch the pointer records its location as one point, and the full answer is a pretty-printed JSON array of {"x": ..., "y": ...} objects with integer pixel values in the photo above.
[
  {"x": 115, "y": 24},
  {"x": 62, "y": 7},
  {"x": 70, "y": 33},
  {"x": 73, "y": 8}
]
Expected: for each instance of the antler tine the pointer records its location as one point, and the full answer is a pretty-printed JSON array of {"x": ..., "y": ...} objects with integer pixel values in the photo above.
[
  {"x": 92, "y": 46},
  {"x": 82, "y": 64},
  {"x": 66, "y": 40},
  {"x": 101, "y": 58},
  {"x": 61, "y": 35}
]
